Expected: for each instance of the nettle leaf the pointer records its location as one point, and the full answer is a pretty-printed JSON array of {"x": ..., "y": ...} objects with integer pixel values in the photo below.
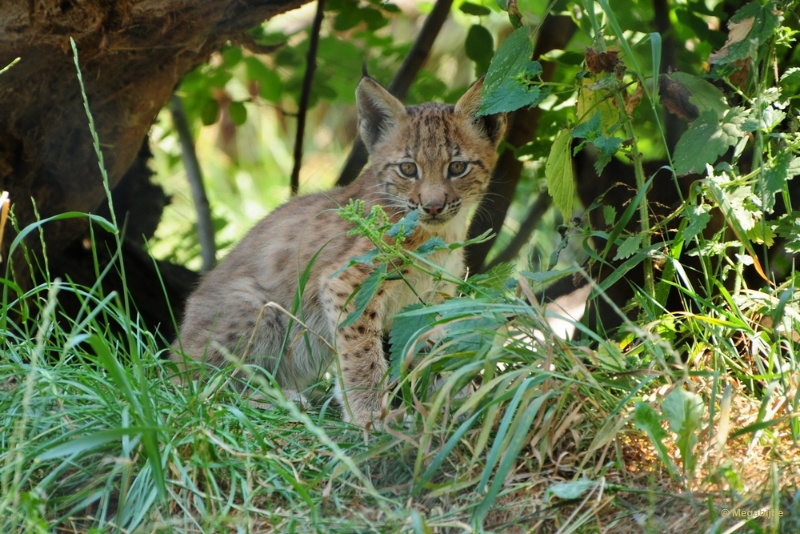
[
  {"x": 789, "y": 228},
  {"x": 479, "y": 47},
  {"x": 742, "y": 206},
  {"x": 608, "y": 146},
  {"x": 364, "y": 294},
  {"x": 366, "y": 259},
  {"x": 629, "y": 247},
  {"x": 405, "y": 226},
  {"x": 406, "y": 328},
  {"x": 753, "y": 22},
  {"x": 775, "y": 176},
  {"x": 684, "y": 410},
  {"x": 495, "y": 278},
  {"x": 589, "y": 129},
  {"x": 698, "y": 220},
  {"x": 707, "y": 138},
  {"x": 510, "y": 81},
  {"x": 558, "y": 171}
]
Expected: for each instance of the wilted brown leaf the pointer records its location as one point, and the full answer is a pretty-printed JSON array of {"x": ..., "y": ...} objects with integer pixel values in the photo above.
[
  {"x": 737, "y": 32},
  {"x": 675, "y": 97},
  {"x": 603, "y": 62},
  {"x": 634, "y": 99}
]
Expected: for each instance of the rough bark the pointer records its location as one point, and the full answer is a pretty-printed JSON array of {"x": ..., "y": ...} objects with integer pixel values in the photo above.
[{"x": 133, "y": 53}]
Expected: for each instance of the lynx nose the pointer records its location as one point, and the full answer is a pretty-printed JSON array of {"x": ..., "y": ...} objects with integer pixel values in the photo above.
[{"x": 433, "y": 208}]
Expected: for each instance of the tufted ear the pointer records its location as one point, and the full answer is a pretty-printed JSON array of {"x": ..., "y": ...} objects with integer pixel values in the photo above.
[
  {"x": 378, "y": 111},
  {"x": 490, "y": 126}
]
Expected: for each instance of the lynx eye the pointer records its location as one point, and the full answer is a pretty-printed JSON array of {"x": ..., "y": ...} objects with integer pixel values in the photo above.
[
  {"x": 408, "y": 169},
  {"x": 456, "y": 168}
]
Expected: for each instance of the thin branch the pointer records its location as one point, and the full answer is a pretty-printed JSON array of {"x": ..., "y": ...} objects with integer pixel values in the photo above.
[
  {"x": 205, "y": 228},
  {"x": 526, "y": 228},
  {"x": 401, "y": 82},
  {"x": 305, "y": 95}
]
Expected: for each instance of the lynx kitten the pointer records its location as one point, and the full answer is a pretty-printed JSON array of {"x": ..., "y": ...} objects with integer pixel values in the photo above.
[{"x": 433, "y": 158}]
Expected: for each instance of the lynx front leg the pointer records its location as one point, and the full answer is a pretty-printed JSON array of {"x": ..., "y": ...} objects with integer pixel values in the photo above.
[{"x": 361, "y": 364}]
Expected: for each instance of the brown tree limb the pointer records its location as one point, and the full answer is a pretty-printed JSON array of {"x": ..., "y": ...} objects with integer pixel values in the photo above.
[
  {"x": 554, "y": 33},
  {"x": 205, "y": 226},
  {"x": 401, "y": 82},
  {"x": 305, "y": 95}
]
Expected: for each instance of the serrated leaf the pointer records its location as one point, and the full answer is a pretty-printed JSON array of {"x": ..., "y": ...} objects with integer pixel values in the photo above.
[
  {"x": 365, "y": 258},
  {"x": 752, "y": 22},
  {"x": 706, "y": 139},
  {"x": 510, "y": 82},
  {"x": 431, "y": 245},
  {"x": 238, "y": 113},
  {"x": 405, "y": 226},
  {"x": 479, "y": 47},
  {"x": 495, "y": 278},
  {"x": 366, "y": 291},
  {"x": 608, "y": 146},
  {"x": 589, "y": 129},
  {"x": 474, "y": 9},
  {"x": 775, "y": 177},
  {"x": 789, "y": 228},
  {"x": 609, "y": 214},
  {"x": 684, "y": 410},
  {"x": 698, "y": 220},
  {"x": 629, "y": 247},
  {"x": 558, "y": 170},
  {"x": 703, "y": 94}
]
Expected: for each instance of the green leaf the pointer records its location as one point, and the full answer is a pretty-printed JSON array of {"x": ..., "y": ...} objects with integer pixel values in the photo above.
[
  {"x": 509, "y": 83},
  {"x": 753, "y": 22},
  {"x": 364, "y": 294},
  {"x": 209, "y": 112},
  {"x": 609, "y": 214},
  {"x": 431, "y": 245},
  {"x": 647, "y": 419},
  {"x": 775, "y": 177},
  {"x": 608, "y": 146},
  {"x": 789, "y": 228},
  {"x": 238, "y": 113},
  {"x": 707, "y": 139},
  {"x": 479, "y": 47},
  {"x": 629, "y": 247},
  {"x": 270, "y": 84},
  {"x": 548, "y": 277},
  {"x": 791, "y": 76},
  {"x": 704, "y": 95},
  {"x": 570, "y": 490},
  {"x": 558, "y": 170},
  {"x": 684, "y": 410},
  {"x": 698, "y": 220},
  {"x": 231, "y": 56},
  {"x": 474, "y": 9},
  {"x": 365, "y": 258},
  {"x": 590, "y": 129}
]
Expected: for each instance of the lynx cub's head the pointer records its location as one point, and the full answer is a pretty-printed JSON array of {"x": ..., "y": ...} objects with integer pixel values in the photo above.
[{"x": 434, "y": 158}]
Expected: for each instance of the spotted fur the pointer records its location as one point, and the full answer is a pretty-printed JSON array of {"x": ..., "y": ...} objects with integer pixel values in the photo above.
[{"x": 433, "y": 158}]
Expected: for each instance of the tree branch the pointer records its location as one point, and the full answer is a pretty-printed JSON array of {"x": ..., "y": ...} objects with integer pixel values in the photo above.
[
  {"x": 401, "y": 82},
  {"x": 305, "y": 95},
  {"x": 205, "y": 226},
  {"x": 554, "y": 33}
]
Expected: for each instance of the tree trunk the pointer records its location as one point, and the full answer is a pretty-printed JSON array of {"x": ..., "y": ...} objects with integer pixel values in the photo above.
[{"x": 133, "y": 53}]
